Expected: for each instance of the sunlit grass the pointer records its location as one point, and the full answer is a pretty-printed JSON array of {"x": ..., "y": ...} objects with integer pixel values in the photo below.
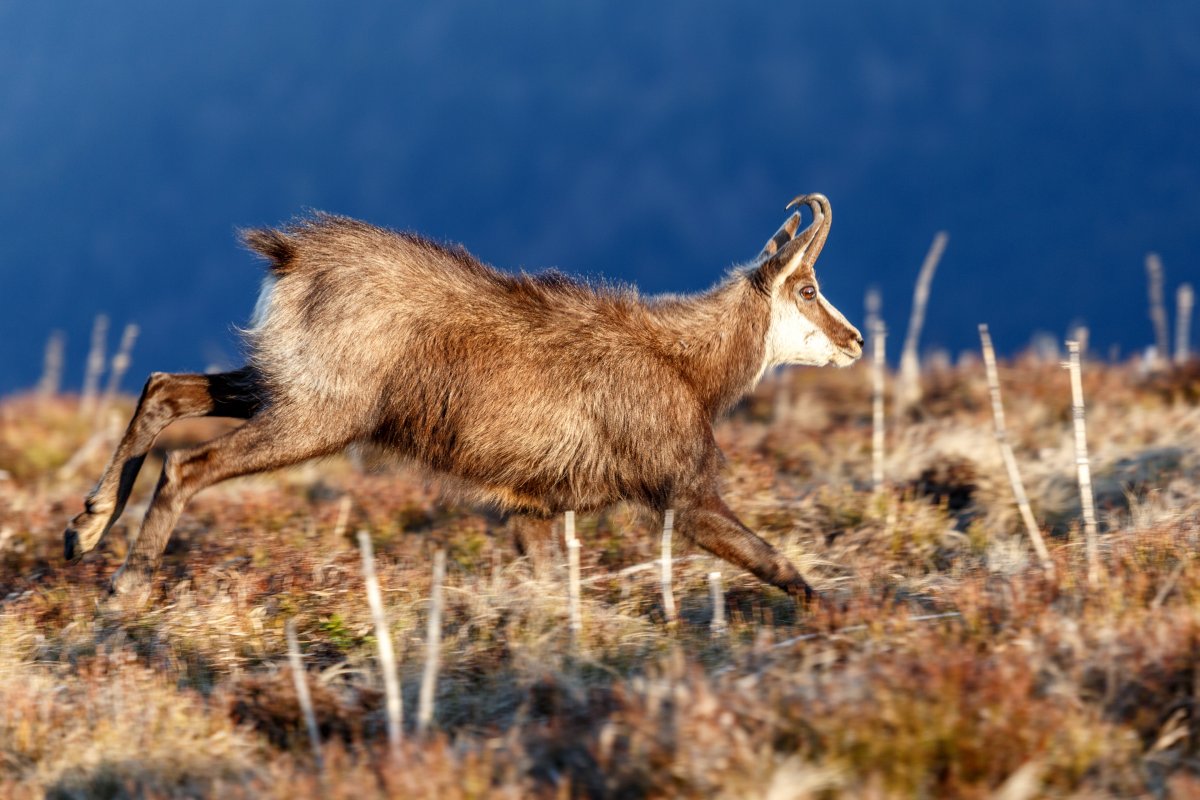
[{"x": 945, "y": 664}]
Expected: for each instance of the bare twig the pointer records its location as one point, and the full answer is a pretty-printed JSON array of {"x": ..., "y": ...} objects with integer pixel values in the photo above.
[
  {"x": 1086, "y": 497},
  {"x": 873, "y": 303},
  {"x": 910, "y": 366},
  {"x": 1082, "y": 334},
  {"x": 306, "y": 706},
  {"x": 667, "y": 595},
  {"x": 1006, "y": 451},
  {"x": 1158, "y": 311},
  {"x": 383, "y": 639},
  {"x": 1184, "y": 299},
  {"x": 433, "y": 644},
  {"x": 120, "y": 363},
  {"x": 95, "y": 367}
]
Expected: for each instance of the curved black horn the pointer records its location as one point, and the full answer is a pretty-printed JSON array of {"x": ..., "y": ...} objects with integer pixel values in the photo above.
[{"x": 823, "y": 213}]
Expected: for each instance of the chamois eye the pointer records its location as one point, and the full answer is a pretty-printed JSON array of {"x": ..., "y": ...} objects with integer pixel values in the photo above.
[{"x": 808, "y": 292}]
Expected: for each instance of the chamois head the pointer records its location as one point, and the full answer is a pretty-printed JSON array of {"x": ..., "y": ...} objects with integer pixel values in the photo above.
[{"x": 805, "y": 328}]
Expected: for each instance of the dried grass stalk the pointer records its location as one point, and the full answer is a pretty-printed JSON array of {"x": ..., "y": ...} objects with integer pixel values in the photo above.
[
  {"x": 343, "y": 518},
  {"x": 433, "y": 644},
  {"x": 383, "y": 638},
  {"x": 101, "y": 437},
  {"x": 1158, "y": 311},
  {"x": 667, "y": 595},
  {"x": 1006, "y": 451},
  {"x": 52, "y": 366},
  {"x": 718, "y": 603},
  {"x": 878, "y": 377},
  {"x": 910, "y": 366},
  {"x": 573, "y": 590},
  {"x": 306, "y": 706},
  {"x": 569, "y": 526},
  {"x": 1086, "y": 496}
]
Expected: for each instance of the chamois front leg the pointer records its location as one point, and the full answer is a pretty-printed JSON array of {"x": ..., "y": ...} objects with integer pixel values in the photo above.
[
  {"x": 165, "y": 398},
  {"x": 708, "y": 522}
]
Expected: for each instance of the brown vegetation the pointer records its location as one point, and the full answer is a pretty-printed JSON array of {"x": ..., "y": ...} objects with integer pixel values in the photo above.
[{"x": 950, "y": 665}]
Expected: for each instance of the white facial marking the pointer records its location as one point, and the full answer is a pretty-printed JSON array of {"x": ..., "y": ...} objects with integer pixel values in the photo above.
[{"x": 793, "y": 338}]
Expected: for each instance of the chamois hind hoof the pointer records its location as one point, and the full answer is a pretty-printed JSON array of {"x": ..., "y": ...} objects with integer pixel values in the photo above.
[{"x": 129, "y": 587}]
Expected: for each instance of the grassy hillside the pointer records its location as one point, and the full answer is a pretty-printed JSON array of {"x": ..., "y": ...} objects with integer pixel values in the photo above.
[{"x": 945, "y": 662}]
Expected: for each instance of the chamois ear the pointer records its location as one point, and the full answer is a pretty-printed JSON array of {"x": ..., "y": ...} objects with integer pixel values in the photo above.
[
  {"x": 782, "y": 236},
  {"x": 800, "y": 250}
]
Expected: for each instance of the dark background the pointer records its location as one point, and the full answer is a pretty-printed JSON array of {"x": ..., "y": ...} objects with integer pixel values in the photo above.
[{"x": 654, "y": 143}]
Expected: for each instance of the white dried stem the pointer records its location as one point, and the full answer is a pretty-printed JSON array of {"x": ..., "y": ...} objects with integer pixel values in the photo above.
[
  {"x": 52, "y": 366},
  {"x": 873, "y": 302},
  {"x": 573, "y": 590},
  {"x": 1006, "y": 451},
  {"x": 718, "y": 603},
  {"x": 1086, "y": 497},
  {"x": 1185, "y": 298},
  {"x": 94, "y": 368},
  {"x": 433, "y": 644},
  {"x": 910, "y": 365},
  {"x": 878, "y": 378},
  {"x": 383, "y": 639},
  {"x": 668, "y": 597},
  {"x": 569, "y": 526},
  {"x": 343, "y": 518},
  {"x": 306, "y": 706},
  {"x": 1158, "y": 311}
]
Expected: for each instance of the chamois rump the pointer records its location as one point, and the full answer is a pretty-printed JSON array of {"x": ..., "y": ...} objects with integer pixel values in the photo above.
[{"x": 535, "y": 393}]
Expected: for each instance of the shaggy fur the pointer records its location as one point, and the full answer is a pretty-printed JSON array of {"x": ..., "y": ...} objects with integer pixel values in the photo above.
[{"x": 534, "y": 393}]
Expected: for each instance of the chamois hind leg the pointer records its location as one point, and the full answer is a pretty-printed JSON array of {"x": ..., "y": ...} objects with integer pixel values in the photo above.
[
  {"x": 269, "y": 440},
  {"x": 708, "y": 522},
  {"x": 165, "y": 398}
]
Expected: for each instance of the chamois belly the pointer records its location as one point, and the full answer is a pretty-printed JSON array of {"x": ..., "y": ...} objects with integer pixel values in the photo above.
[{"x": 531, "y": 455}]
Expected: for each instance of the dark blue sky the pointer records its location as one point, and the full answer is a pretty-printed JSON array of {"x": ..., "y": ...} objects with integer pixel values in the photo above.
[{"x": 653, "y": 143}]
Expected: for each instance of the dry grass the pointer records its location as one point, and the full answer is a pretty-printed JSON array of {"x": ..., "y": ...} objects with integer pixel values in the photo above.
[{"x": 947, "y": 665}]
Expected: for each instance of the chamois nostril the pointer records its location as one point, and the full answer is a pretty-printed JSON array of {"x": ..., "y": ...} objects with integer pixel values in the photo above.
[{"x": 859, "y": 339}]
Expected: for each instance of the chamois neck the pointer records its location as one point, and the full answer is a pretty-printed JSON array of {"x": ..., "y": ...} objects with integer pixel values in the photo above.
[{"x": 717, "y": 339}]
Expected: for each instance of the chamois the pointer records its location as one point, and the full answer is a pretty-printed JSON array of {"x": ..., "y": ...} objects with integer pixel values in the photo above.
[{"x": 534, "y": 393}]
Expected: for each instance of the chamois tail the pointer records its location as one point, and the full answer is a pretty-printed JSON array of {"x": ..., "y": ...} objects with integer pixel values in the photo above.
[{"x": 277, "y": 247}]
